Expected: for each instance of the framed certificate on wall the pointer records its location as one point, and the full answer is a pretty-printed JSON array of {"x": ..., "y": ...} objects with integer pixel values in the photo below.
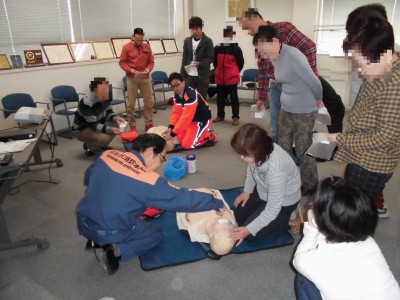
[
  {"x": 236, "y": 8},
  {"x": 82, "y": 51},
  {"x": 118, "y": 43},
  {"x": 103, "y": 50},
  {"x": 170, "y": 46},
  {"x": 58, "y": 53},
  {"x": 156, "y": 47},
  {"x": 4, "y": 63}
]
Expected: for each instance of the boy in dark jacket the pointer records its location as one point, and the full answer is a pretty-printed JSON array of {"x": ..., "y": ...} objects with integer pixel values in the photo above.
[{"x": 228, "y": 62}]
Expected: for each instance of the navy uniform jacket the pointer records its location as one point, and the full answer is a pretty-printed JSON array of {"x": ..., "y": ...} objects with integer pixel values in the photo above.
[{"x": 120, "y": 188}]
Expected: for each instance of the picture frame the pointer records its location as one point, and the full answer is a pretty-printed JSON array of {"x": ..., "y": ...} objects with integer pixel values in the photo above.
[
  {"x": 83, "y": 51},
  {"x": 33, "y": 58},
  {"x": 16, "y": 61},
  {"x": 170, "y": 46},
  {"x": 156, "y": 47},
  {"x": 58, "y": 53},
  {"x": 236, "y": 8},
  {"x": 118, "y": 43},
  {"x": 4, "y": 63},
  {"x": 103, "y": 50}
]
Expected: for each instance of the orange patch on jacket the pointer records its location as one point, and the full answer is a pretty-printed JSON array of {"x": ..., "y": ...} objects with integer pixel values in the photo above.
[{"x": 128, "y": 164}]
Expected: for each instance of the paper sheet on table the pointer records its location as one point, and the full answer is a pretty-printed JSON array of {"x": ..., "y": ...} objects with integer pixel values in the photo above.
[
  {"x": 15, "y": 146},
  {"x": 191, "y": 70},
  {"x": 321, "y": 147},
  {"x": 323, "y": 116}
]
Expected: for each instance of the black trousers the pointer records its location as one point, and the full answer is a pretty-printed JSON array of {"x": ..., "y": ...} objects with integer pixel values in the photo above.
[
  {"x": 334, "y": 105},
  {"x": 222, "y": 93},
  {"x": 253, "y": 208}
]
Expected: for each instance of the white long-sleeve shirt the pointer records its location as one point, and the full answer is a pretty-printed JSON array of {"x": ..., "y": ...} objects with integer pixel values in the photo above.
[{"x": 341, "y": 271}]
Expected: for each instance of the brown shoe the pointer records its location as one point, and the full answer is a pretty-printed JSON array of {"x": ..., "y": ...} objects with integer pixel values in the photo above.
[
  {"x": 235, "y": 121},
  {"x": 218, "y": 119},
  {"x": 296, "y": 223}
]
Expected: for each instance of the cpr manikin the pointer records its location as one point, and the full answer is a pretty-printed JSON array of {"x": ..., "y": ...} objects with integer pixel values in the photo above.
[
  {"x": 159, "y": 131},
  {"x": 208, "y": 227}
]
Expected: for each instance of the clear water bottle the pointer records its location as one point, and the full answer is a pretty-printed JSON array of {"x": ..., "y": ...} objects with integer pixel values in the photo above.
[{"x": 191, "y": 163}]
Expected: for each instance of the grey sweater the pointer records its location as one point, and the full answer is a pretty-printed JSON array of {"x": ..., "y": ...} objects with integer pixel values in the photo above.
[
  {"x": 300, "y": 86},
  {"x": 278, "y": 182}
]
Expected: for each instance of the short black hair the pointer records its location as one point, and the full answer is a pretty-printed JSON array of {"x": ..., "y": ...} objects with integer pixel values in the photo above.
[
  {"x": 252, "y": 12},
  {"x": 266, "y": 32},
  {"x": 342, "y": 212},
  {"x": 138, "y": 30},
  {"x": 228, "y": 31},
  {"x": 149, "y": 140},
  {"x": 365, "y": 10},
  {"x": 372, "y": 35},
  {"x": 253, "y": 140},
  {"x": 195, "y": 22},
  {"x": 175, "y": 75},
  {"x": 96, "y": 81}
]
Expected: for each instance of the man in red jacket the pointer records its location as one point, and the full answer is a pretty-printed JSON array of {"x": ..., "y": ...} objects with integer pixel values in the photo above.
[
  {"x": 137, "y": 61},
  {"x": 228, "y": 62}
]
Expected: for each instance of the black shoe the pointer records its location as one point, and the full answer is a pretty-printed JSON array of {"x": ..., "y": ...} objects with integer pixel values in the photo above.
[
  {"x": 308, "y": 192},
  {"x": 106, "y": 148},
  {"x": 91, "y": 246},
  {"x": 107, "y": 260},
  {"x": 88, "y": 152}
]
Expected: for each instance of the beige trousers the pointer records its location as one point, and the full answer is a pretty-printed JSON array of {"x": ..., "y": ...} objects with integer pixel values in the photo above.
[
  {"x": 144, "y": 86},
  {"x": 95, "y": 140}
]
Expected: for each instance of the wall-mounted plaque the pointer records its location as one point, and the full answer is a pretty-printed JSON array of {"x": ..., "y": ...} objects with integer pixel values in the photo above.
[
  {"x": 170, "y": 46},
  {"x": 118, "y": 43},
  {"x": 156, "y": 47},
  {"x": 103, "y": 50},
  {"x": 58, "y": 53},
  {"x": 4, "y": 63},
  {"x": 82, "y": 51},
  {"x": 16, "y": 61},
  {"x": 33, "y": 58}
]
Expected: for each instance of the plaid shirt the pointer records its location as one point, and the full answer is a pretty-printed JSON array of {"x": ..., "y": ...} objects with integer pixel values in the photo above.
[
  {"x": 292, "y": 37},
  {"x": 372, "y": 137}
]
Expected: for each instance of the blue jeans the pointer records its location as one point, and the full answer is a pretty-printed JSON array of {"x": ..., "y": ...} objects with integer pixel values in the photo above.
[
  {"x": 305, "y": 289},
  {"x": 275, "y": 91}
]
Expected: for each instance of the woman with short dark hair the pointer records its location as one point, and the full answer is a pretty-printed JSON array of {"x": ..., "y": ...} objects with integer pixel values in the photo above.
[
  {"x": 272, "y": 188},
  {"x": 338, "y": 257}
]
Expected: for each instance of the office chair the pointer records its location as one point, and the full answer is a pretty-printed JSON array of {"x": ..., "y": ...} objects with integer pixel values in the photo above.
[
  {"x": 118, "y": 101},
  {"x": 139, "y": 95},
  {"x": 159, "y": 83},
  {"x": 13, "y": 102},
  {"x": 65, "y": 101},
  {"x": 248, "y": 82}
]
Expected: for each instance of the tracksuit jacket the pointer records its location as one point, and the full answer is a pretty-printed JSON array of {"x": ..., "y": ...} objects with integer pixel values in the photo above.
[{"x": 228, "y": 62}]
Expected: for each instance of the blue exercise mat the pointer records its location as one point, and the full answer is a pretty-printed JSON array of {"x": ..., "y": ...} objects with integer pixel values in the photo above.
[{"x": 177, "y": 249}]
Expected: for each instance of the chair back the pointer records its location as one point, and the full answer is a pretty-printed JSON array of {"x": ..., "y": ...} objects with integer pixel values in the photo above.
[
  {"x": 64, "y": 92},
  {"x": 159, "y": 77},
  {"x": 13, "y": 102},
  {"x": 124, "y": 83},
  {"x": 250, "y": 75}
]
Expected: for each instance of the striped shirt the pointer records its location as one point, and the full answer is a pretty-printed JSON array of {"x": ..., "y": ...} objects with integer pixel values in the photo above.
[
  {"x": 372, "y": 137},
  {"x": 291, "y": 36}
]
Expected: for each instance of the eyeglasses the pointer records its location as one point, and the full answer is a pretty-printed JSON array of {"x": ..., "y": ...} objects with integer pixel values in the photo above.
[
  {"x": 175, "y": 86},
  {"x": 163, "y": 159}
]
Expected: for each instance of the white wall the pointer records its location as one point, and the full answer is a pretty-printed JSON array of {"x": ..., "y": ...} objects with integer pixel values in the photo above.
[{"x": 39, "y": 81}]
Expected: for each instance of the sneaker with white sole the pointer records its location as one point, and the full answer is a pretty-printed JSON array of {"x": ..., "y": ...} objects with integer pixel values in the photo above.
[{"x": 383, "y": 212}]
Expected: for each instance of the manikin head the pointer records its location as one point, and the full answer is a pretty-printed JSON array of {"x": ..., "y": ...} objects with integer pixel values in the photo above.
[
  {"x": 220, "y": 242},
  {"x": 159, "y": 130}
]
